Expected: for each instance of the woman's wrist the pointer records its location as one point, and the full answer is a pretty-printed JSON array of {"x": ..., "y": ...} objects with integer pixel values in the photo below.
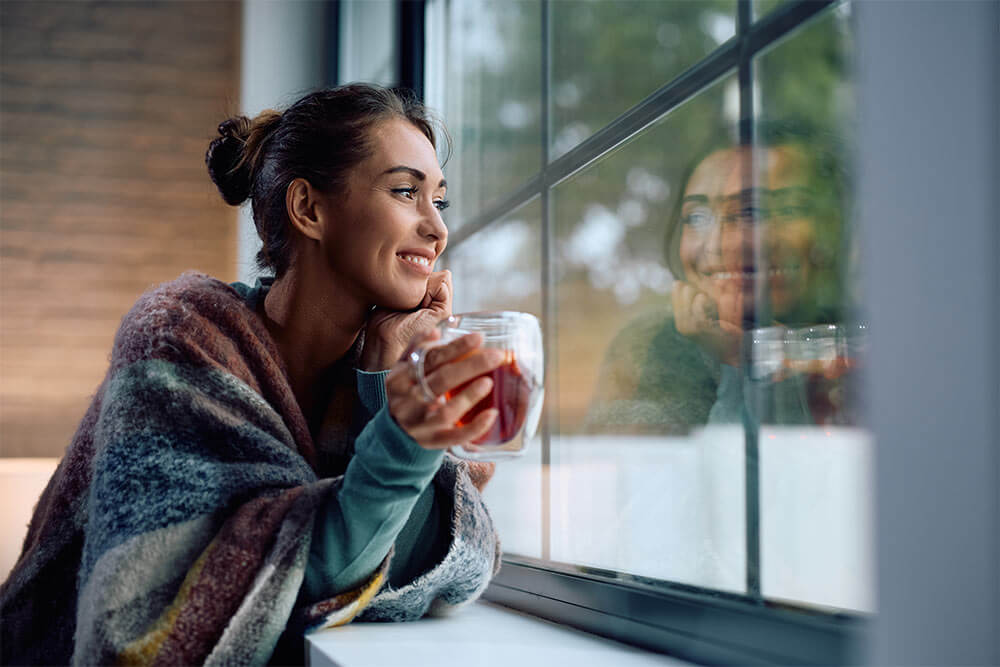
[{"x": 376, "y": 356}]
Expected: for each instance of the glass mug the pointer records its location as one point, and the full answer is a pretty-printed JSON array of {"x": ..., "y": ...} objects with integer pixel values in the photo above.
[{"x": 518, "y": 383}]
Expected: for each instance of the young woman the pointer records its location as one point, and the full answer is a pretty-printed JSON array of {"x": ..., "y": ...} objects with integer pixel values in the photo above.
[{"x": 258, "y": 461}]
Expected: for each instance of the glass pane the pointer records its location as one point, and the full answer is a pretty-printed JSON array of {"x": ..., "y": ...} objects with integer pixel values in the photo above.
[
  {"x": 645, "y": 479},
  {"x": 815, "y": 453},
  {"x": 762, "y": 7},
  {"x": 499, "y": 268},
  {"x": 598, "y": 72},
  {"x": 493, "y": 93}
]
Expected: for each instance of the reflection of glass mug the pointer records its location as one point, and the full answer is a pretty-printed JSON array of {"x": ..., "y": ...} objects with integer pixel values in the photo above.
[
  {"x": 820, "y": 356},
  {"x": 518, "y": 384}
]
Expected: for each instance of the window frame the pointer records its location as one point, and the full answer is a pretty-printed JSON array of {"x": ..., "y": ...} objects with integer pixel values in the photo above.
[{"x": 695, "y": 623}]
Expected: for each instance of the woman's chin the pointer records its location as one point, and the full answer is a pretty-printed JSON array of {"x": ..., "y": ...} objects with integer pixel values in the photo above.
[{"x": 401, "y": 301}]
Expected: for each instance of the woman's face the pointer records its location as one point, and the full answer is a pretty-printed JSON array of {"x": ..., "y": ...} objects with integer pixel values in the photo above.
[
  {"x": 716, "y": 245},
  {"x": 387, "y": 230}
]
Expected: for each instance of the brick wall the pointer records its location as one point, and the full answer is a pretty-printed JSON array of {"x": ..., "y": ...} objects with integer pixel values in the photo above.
[{"x": 106, "y": 109}]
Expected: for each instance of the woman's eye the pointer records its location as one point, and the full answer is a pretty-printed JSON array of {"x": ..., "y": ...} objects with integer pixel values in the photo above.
[
  {"x": 409, "y": 193},
  {"x": 441, "y": 204},
  {"x": 699, "y": 219}
]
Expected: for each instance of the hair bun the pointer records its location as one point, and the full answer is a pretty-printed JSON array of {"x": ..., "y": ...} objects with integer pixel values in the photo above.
[{"x": 226, "y": 160}]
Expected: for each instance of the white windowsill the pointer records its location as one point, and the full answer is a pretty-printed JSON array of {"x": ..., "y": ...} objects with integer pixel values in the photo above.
[{"x": 481, "y": 634}]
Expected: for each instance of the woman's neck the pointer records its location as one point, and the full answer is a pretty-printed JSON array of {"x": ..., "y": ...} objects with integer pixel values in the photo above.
[{"x": 314, "y": 322}]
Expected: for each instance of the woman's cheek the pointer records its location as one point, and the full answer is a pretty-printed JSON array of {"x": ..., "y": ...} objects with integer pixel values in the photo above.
[
  {"x": 792, "y": 252},
  {"x": 690, "y": 249}
]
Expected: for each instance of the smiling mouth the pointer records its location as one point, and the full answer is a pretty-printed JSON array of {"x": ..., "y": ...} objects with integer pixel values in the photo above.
[
  {"x": 416, "y": 259},
  {"x": 419, "y": 263},
  {"x": 782, "y": 272}
]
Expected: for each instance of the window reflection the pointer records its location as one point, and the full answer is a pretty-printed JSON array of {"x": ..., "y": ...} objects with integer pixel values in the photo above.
[
  {"x": 815, "y": 479},
  {"x": 755, "y": 324},
  {"x": 630, "y": 492},
  {"x": 703, "y": 311}
]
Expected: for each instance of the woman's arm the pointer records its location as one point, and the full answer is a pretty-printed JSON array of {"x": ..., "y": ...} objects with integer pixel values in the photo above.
[
  {"x": 426, "y": 535},
  {"x": 356, "y": 528}
]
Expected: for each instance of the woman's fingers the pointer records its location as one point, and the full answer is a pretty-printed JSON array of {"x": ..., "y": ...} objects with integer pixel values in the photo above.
[
  {"x": 694, "y": 311},
  {"x": 703, "y": 312},
  {"x": 454, "y": 374},
  {"x": 465, "y": 434},
  {"x": 451, "y": 354},
  {"x": 443, "y": 354},
  {"x": 435, "y": 425},
  {"x": 681, "y": 295},
  {"x": 463, "y": 401},
  {"x": 475, "y": 429},
  {"x": 439, "y": 293}
]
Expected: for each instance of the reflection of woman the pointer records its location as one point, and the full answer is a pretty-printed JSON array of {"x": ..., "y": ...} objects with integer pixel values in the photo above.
[
  {"x": 755, "y": 240},
  {"x": 249, "y": 469}
]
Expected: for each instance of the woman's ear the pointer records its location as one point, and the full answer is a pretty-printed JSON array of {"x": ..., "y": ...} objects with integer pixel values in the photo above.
[{"x": 302, "y": 204}]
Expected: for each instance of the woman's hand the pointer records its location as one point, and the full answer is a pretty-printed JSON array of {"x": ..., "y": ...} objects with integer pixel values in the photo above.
[
  {"x": 446, "y": 368},
  {"x": 389, "y": 332},
  {"x": 696, "y": 316}
]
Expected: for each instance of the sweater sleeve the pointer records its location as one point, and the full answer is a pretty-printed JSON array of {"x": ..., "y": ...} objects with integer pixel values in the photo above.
[
  {"x": 386, "y": 487},
  {"x": 425, "y": 537},
  {"x": 371, "y": 390}
]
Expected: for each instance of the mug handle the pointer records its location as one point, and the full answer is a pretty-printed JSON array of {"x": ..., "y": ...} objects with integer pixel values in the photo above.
[{"x": 417, "y": 359}]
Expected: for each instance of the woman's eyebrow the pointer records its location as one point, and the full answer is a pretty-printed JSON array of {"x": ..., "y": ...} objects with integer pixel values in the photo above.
[
  {"x": 700, "y": 199},
  {"x": 416, "y": 173}
]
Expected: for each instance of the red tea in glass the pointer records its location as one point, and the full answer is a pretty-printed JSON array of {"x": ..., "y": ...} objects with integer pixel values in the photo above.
[
  {"x": 518, "y": 383},
  {"x": 510, "y": 396}
]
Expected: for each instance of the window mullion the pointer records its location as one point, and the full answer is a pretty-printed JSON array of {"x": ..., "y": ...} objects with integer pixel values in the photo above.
[
  {"x": 548, "y": 284},
  {"x": 751, "y": 429}
]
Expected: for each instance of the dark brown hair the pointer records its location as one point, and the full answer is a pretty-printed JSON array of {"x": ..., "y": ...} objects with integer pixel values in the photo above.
[{"x": 319, "y": 138}]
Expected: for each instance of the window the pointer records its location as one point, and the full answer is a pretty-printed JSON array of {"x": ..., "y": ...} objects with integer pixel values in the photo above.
[{"x": 668, "y": 186}]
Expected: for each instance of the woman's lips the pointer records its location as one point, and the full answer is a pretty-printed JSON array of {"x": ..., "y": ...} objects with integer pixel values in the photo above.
[{"x": 417, "y": 263}]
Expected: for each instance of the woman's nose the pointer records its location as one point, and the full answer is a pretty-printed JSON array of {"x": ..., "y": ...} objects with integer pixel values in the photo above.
[
  {"x": 713, "y": 239},
  {"x": 432, "y": 225},
  {"x": 735, "y": 242}
]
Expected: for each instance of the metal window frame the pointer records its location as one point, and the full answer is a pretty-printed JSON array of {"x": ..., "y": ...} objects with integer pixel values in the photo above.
[
  {"x": 410, "y": 33},
  {"x": 697, "y": 624},
  {"x": 701, "y": 625}
]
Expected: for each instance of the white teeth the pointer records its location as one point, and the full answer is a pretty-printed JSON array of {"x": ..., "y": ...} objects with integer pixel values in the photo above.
[
  {"x": 417, "y": 259},
  {"x": 729, "y": 275}
]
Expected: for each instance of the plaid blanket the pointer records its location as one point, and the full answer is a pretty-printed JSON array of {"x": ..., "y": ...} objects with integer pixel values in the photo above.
[{"x": 177, "y": 526}]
